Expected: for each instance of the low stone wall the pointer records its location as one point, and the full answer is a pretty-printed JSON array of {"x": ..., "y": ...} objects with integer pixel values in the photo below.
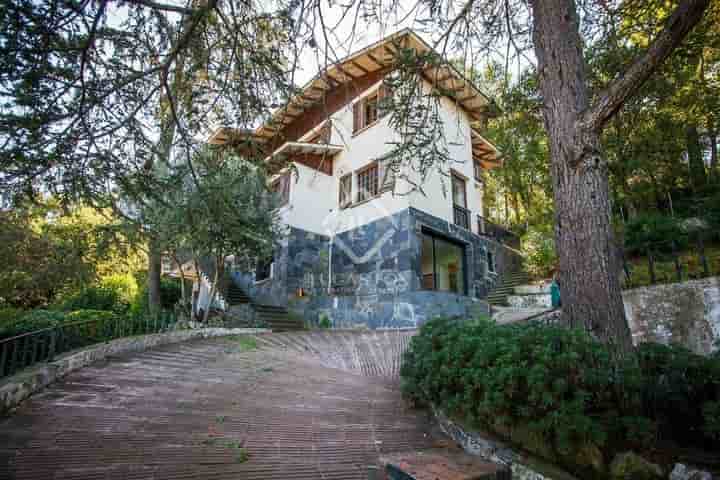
[
  {"x": 523, "y": 466},
  {"x": 686, "y": 313},
  {"x": 20, "y": 386}
]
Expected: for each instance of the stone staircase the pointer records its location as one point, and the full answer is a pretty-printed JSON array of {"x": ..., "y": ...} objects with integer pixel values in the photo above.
[
  {"x": 499, "y": 295},
  {"x": 240, "y": 305}
]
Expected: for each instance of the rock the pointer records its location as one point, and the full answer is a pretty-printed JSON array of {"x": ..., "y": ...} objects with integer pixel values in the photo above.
[
  {"x": 683, "y": 472},
  {"x": 630, "y": 466}
]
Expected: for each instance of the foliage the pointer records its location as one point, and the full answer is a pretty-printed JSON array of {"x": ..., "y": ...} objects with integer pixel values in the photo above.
[
  {"x": 654, "y": 231},
  {"x": 538, "y": 245},
  {"x": 324, "y": 321},
  {"x": 81, "y": 120},
  {"x": 677, "y": 386},
  {"x": 31, "y": 321},
  {"x": 170, "y": 295},
  {"x": 114, "y": 293},
  {"x": 560, "y": 384},
  {"x": 50, "y": 252}
]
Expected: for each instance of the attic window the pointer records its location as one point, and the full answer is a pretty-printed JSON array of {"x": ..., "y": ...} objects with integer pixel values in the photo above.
[{"x": 367, "y": 110}]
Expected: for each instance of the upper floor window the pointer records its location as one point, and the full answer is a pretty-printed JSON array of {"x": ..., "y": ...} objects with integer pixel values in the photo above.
[
  {"x": 461, "y": 215},
  {"x": 367, "y": 182},
  {"x": 477, "y": 170},
  {"x": 367, "y": 111},
  {"x": 281, "y": 187},
  {"x": 345, "y": 192}
]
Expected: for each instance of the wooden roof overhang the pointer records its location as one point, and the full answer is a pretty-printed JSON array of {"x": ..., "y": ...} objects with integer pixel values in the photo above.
[
  {"x": 485, "y": 152},
  {"x": 318, "y": 156},
  {"x": 359, "y": 71}
]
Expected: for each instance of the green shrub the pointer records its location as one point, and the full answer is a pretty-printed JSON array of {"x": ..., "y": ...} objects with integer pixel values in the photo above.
[
  {"x": 555, "y": 390},
  {"x": 655, "y": 230},
  {"x": 10, "y": 315},
  {"x": 676, "y": 385},
  {"x": 324, "y": 321},
  {"x": 31, "y": 321},
  {"x": 170, "y": 295},
  {"x": 124, "y": 284},
  {"x": 97, "y": 297},
  {"x": 540, "y": 255}
]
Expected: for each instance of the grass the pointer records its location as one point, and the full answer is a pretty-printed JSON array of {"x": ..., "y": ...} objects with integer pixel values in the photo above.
[
  {"x": 665, "y": 270},
  {"x": 242, "y": 344}
]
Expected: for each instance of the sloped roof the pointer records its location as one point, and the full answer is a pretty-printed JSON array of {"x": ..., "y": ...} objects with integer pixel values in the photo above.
[{"x": 370, "y": 60}]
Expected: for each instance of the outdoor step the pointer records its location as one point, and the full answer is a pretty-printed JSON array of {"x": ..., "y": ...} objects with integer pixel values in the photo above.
[{"x": 433, "y": 464}]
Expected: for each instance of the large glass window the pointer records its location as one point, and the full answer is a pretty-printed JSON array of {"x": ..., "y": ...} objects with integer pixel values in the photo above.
[{"x": 443, "y": 265}]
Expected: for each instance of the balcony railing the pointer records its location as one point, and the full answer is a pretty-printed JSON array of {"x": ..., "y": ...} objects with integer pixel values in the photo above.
[
  {"x": 500, "y": 234},
  {"x": 461, "y": 217}
]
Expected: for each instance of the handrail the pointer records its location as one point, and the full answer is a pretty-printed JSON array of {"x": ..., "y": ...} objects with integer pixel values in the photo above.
[
  {"x": 498, "y": 232},
  {"x": 42, "y": 345}
]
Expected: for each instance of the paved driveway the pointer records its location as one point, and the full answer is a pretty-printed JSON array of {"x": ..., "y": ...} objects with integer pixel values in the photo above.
[{"x": 319, "y": 405}]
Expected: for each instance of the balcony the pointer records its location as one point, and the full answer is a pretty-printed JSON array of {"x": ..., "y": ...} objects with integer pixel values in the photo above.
[
  {"x": 500, "y": 234},
  {"x": 461, "y": 217}
]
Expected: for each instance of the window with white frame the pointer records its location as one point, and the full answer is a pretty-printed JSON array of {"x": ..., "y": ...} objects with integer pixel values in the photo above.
[{"x": 367, "y": 182}]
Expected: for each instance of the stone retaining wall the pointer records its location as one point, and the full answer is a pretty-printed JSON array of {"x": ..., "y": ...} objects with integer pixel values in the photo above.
[
  {"x": 686, "y": 313},
  {"x": 20, "y": 386},
  {"x": 523, "y": 466}
]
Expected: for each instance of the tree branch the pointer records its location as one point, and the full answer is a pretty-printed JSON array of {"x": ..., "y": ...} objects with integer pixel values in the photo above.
[{"x": 683, "y": 19}]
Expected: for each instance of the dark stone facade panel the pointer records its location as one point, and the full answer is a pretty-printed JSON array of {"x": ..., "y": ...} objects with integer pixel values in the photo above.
[{"x": 376, "y": 273}]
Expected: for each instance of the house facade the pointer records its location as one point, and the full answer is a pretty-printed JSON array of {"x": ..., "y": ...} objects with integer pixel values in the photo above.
[{"x": 361, "y": 247}]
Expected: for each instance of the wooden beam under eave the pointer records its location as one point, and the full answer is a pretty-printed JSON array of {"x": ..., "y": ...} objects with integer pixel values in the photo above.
[
  {"x": 359, "y": 67},
  {"x": 375, "y": 60}
]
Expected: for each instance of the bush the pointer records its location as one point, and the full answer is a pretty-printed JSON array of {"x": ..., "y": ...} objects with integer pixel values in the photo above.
[
  {"x": 540, "y": 255},
  {"x": 31, "y": 321},
  {"x": 556, "y": 391},
  {"x": 114, "y": 294},
  {"x": 96, "y": 297},
  {"x": 676, "y": 386},
  {"x": 655, "y": 230},
  {"x": 170, "y": 295}
]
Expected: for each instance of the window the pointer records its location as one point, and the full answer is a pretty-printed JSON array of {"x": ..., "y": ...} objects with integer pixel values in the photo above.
[
  {"x": 443, "y": 265},
  {"x": 345, "y": 191},
  {"x": 367, "y": 182},
  {"x": 281, "y": 188},
  {"x": 370, "y": 109},
  {"x": 263, "y": 270},
  {"x": 477, "y": 170},
  {"x": 490, "y": 261},
  {"x": 458, "y": 190},
  {"x": 367, "y": 111},
  {"x": 461, "y": 215}
]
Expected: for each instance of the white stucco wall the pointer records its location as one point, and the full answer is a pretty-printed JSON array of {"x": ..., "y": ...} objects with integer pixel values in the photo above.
[
  {"x": 313, "y": 202},
  {"x": 310, "y": 203}
]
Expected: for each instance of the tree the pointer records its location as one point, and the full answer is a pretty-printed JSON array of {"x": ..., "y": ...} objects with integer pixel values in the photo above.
[
  {"x": 225, "y": 210},
  {"x": 48, "y": 251}
]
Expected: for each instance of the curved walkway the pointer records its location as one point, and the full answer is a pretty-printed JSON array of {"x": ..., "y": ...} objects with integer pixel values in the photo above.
[{"x": 311, "y": 405}]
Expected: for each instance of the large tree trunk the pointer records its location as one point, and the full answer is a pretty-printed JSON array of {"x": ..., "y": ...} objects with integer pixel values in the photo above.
[
  {"x": 154, "y": 268},
  {"x": 589, "y": 280}
]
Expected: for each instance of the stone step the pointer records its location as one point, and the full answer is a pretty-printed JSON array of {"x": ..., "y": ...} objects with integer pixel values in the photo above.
[
  {"x": 436, "y": 463},
  {"x": 535, "y": 300}
]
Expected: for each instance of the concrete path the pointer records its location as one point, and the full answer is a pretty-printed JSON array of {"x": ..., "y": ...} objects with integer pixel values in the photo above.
[{"x": 311, "y": 405}]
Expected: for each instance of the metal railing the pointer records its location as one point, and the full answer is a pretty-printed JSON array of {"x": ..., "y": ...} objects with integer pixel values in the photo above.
[
  {"x": 501, "y": 234},
  {"x": 24, "y": 350},
  {"x": 461, "y": 216},
  {"x": 669, "y": 261}
]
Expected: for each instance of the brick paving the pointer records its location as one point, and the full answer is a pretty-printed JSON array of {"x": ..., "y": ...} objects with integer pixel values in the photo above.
[{"x": 305, "y": 405}]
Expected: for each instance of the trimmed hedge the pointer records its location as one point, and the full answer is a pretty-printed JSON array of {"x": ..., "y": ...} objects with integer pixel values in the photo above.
[{"x": 556, "y": 392}]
